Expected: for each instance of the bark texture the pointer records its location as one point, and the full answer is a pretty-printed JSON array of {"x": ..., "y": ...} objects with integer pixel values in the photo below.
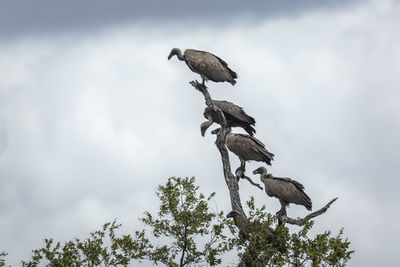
[{"x": 230, "y": 179}]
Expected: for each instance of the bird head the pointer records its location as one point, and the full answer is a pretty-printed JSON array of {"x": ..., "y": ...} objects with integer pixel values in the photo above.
[
  {"x": 207, "y": 112},
  {"x": 232, "y": 214},
  {"x": 175, "y": 52},
  {"x": 204, "y": 126},
  {"x": 261, "y": 170}
]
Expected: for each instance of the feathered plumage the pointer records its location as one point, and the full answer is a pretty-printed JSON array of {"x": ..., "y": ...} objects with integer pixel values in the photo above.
[
  {"x": 209, "y": 66},
  {"x": 248, "y": 148},
  {"x": 285, "y": 189},
  {"x": 234, "y": 115}
]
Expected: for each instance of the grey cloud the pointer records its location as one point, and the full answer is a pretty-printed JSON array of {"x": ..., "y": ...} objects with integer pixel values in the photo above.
[
  {"x": 3, "y": 136},
  {"x": 31, "y": 17},
  {"x": 93, "y": 126}
]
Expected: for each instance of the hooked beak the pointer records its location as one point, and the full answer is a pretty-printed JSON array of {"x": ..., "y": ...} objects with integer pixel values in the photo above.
[
  {"x": 205, "y": 125},
  {"x": 257, "y": 171},
  {"x": 203, "y": 131}
]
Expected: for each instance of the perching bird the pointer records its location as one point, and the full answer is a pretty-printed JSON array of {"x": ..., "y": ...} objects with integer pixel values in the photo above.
[
  {"x": 241, "y": 223},
  {"x": 209, "y": 66},
  {"x": 246, "y": 228},
  {"x": 234, "y": 115},
  {"x": 247, "y": 148},
  {"x": 284, "y": 189}
]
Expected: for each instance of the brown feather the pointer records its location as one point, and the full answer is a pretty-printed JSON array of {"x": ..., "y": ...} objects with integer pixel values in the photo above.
[
  {"x": 209, "y": 66},
  {"x": 286, "y": 190},
  {"x": 234, "y": 115},
  {"x": 234, "y": 110},
  {"x": 248, "y": 148}
]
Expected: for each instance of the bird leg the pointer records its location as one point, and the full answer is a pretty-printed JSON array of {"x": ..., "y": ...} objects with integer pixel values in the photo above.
[
  {"x": 282, "y": 211},
  {"x": 204, "y": 84},
  {"x": 199, "y": 86},
  {"x": 241, "y": 170}
]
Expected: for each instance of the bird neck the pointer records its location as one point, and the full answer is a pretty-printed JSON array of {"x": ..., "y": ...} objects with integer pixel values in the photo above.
[
  {"x": 180, "y": 56},
  {"x": 265, "y": 176}
]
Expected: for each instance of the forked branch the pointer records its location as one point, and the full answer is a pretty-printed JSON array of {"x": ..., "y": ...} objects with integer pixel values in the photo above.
[
  {"x": 230, "y": 179},
  {"x": 251, "y": 181},
  {"x": 301, "y": 221}
]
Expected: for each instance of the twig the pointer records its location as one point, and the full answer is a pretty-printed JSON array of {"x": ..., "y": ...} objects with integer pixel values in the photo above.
[
  {"x": 251, "y": 181},
  {"x": 230, "y": 179},
  {"x": 301, "y": 221}
]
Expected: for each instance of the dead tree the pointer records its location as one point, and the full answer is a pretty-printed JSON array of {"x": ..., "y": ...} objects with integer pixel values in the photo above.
[{"x": 232, "y": 182}]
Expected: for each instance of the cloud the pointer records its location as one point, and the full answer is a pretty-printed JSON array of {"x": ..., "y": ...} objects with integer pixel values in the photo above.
[
  {"x": 91, "y": 123},
  {"x": 20, "y": 17}
]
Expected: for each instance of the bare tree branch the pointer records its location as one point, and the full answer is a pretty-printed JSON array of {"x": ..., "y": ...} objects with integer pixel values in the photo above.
[
  {"x": 251, "y": 181},
  {"x": 230, "y": 179},
  {"x": 301, "y": 221}
]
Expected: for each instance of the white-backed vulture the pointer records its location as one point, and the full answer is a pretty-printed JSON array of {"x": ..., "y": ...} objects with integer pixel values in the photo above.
[
  {"x": 246, "y": 228},
  {"x": 234, "y": 115},
  {"x": 247, "y": 148},
  {"x": 209, "y": 66},
  {"x": 241, "y": 223},
  {"x": 285, "y": 189}
]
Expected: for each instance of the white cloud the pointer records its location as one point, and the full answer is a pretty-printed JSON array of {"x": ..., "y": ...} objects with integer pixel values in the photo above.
[{"x": 91, "y": 124}]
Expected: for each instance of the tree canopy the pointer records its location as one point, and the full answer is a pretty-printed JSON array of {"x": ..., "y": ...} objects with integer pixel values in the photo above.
[{"x": 186, "y": 231}]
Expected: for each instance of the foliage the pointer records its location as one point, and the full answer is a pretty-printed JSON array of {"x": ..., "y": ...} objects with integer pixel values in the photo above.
[
  {"x": 186, "y": 232},
  {"x": 185, "y": 216},
  {"x": 2, "y": 260},
  {"x": 102, "y": 248},
  {"x": 268, "y": 242}
]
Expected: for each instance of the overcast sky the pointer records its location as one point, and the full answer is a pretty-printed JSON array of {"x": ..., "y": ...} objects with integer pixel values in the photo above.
[{"x": 93, "y": 116}]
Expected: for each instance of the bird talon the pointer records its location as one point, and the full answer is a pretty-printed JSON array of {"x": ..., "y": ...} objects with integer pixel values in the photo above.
[{"x": 239, "y": 173}]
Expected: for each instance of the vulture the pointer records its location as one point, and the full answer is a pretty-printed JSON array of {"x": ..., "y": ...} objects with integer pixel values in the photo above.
[
  {"x": 246, "y": 228},
  {"x": 285, "y": 189},
  {"x": 247, "y": 148},
  {"x": 234, "y": 115},
  {"x": 209, "y": 66},
  {"x": 241, "y": 223}
]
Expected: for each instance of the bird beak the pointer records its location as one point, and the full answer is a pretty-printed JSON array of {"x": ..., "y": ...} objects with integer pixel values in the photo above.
[
  {"x": 170, "y": 55},
  {"x": 205, "y": 125},
  {"x": 256, "y": 171},
  {"x": 203, "y": 128},
  {"x": 203, "y": 131}
]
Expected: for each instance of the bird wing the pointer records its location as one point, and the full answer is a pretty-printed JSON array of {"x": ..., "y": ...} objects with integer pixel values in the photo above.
[
  {"x": 288, "y": 190},
  {"x": 209, "y": 65},
  {"x": 251, "y": 140},
  {"x": 235, "y": 111},
  {"x": 297, "y": 184},
  {"x": 261, "y": 149},
  {"x": 250, "y": 148}
]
